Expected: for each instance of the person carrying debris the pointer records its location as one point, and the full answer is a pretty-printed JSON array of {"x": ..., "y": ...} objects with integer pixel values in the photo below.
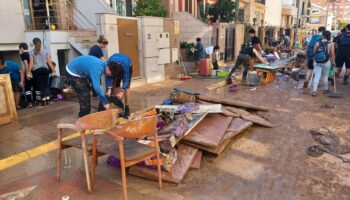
[
  {"x": 121, "y": 91},
  {"x": 85, "y": 69},
  {"x": 310, "y": 54},
  {"x": 343, "y": 54},
  {"x": 246, "y": 58},
  {"x": 16, "y": 74},
  {"x": 40, "y": 65},
  {"x": 324, "y": 56}
]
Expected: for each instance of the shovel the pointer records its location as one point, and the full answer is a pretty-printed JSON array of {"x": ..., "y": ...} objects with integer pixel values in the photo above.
[{"x": 335, "y": 94}]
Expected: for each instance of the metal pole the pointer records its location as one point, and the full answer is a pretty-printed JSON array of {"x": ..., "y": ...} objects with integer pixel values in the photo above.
[
  {"x": 327, "y": 14},
  {"x": 298, "y": 17},
  {"x": 48, "y": 14}
]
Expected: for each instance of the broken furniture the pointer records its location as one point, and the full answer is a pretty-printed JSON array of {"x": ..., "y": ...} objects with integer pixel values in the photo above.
[
  {"x": 8, "y": 111},
  {"x": 266, "y": 72},
  {"x": 94, "y": 122},
  {"x": 129, "y": 151}
]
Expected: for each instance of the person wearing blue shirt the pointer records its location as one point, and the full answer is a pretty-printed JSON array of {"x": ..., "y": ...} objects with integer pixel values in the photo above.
[
  {"x": 84, "y": 70},
  {"x": 122, "y": 91},
  {"x": 96, "y": 50},
  {"x": 17, "y": 77}
]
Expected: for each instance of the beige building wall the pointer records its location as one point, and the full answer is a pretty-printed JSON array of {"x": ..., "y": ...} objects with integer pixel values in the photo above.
[
  {"x": 273, "y": 12},
  {"x": 12, "y": 25}
]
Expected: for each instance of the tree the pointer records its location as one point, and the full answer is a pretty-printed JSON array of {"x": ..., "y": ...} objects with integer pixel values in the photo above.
[
  {"x": 150, "y": 8},
  {"x": 223, "y": 10},
  {"x": 342, "y": 24},
  {"x": 204, "y": 12}
]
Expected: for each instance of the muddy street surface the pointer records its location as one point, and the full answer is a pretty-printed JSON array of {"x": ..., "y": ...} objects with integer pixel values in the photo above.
[{"x": 261, "y": 163}]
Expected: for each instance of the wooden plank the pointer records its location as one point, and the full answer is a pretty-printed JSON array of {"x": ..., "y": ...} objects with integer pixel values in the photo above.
[
  {"x": 238, "y": 111},
  {"x": 232, "y": 102},
  {"x": 196, "y": 164},
  {"x": 210, "y": 131},
  {"x": 8, "y": 112},
  {"x": 257, "y": 120},
  {"x": 185, "y": 156},
  {"x": 217, "y": 85},
  {"x": 237, "y": 126}
]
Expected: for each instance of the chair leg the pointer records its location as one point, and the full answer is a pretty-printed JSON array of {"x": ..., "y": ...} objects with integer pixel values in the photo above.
[
  {"x": 94, "y": 160},
  {"x": 59, "y": 150},
  {"x": 86, "y": 163},
  {"x": 122, "y": 163},
  {"x": 158, "y": 161}
]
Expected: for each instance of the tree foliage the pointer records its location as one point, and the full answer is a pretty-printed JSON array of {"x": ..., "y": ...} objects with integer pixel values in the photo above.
[
  {"x": 150, "y": 8},
  {"x": 223, "y": 10},
  {"x": 342, "y": 24}
]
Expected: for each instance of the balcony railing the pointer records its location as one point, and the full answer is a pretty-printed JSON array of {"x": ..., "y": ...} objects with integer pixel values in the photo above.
[{"x": 260, "y": 1}]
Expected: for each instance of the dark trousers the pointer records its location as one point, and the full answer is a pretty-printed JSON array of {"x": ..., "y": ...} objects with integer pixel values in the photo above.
[
  {"x": 113, "y": 100},
  {"x": 215, "y": 65},
  {"x": 244, "y": 60},
  {"x": 30, "y": 88},
  {"x": 81, "y": 87},
  {"x": 41, "y": 79}
]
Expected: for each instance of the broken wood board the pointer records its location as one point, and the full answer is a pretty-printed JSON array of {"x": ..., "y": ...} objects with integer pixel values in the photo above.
[
  {"x": 185, "y": 156},
  {"x": 237, "y": 126},
  {"x": 210, "y": 131},
  {"x": 257, "y": 120},
  {"x": 197, "y": 118},
  {"x": 217, "y": 85},
  {"x": 228, "y": 113},
  {"x": 238, "y": 111},
  {"x": 232, "y": 102},
  {"x": 196, "y": 164}
]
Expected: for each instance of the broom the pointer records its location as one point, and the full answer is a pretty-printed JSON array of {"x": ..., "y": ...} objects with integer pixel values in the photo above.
[
  {"x": 335, "y": 94},
  {"x": 184, "y": 76}
]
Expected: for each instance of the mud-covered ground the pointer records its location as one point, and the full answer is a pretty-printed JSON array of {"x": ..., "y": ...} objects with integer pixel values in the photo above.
[{"x": 262, "y": 163}]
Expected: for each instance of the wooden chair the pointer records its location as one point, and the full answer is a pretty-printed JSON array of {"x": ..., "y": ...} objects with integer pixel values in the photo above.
[
  {"x": 95, "y": 122},
  {"x": 128, "y": 150}
]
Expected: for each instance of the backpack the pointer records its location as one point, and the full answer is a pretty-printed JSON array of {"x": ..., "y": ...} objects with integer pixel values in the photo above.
[
  {"x": 322, "y": 54},
  {"x": 311, "y": 44},
  {"x": 344, "y": 39}
]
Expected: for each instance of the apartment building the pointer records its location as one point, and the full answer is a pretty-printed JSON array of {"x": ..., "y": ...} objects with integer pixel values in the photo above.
[
  {"x": 341, "y": 8},
  {"x": 289, "y": 13},
  {"x": 320, "y": 16}
]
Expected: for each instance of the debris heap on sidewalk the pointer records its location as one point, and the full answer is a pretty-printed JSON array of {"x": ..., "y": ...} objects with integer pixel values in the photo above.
[{"x": 190, "y": 123}]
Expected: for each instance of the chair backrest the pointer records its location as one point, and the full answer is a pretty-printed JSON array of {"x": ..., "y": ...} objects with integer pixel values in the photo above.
[
  {"x": 100, "y": 120},
  {"x": 138, "y": 128}
]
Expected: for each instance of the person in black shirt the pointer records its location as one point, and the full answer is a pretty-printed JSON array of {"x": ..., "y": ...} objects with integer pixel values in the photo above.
[
  {"x": 30, "y": 86},
  {"x": 96, "y": 50},
  {"x": 255, "y": 40},
  {"x": 245, "y": 58},
  {"x": 343, "y": 54}
]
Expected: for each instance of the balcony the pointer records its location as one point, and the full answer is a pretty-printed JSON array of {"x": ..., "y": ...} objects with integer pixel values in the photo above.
[
  {"x": 260, "y": 1},
  {"x": 289, "y": 10}
]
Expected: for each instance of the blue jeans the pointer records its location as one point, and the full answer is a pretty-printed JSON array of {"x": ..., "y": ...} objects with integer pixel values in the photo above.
[{"x": 321, "y": 73}]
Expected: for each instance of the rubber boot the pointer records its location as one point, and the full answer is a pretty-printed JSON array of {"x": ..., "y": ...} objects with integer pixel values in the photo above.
[
  {"x": 229, "y": 81},
  {"x": 346, "y": 81}
]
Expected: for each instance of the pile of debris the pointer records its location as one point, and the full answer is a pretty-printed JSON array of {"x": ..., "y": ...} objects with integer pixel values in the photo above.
[{"x": 192, "y": 123}]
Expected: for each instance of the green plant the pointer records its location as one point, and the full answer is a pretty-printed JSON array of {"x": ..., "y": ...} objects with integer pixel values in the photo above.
[
  {"x": 342, "y": 24},
  {"x": 150, "y": 8},
  {"x": 204, "y": 12},
  {"x": 188, "y": 47},
  {"x": 225, "y": 10}
]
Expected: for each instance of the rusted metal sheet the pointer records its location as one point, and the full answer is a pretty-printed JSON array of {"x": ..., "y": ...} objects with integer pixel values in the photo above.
[
  {"x": 210, "y": 131},
  {"x": 185, "y": 156}
]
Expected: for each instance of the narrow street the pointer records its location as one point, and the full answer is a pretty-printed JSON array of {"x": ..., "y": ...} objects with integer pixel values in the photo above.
[{"x": 260, "y": 164}]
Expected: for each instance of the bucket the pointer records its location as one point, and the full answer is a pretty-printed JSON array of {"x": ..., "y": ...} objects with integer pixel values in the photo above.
[
  {"x": 253, "y": 79},
  {"x": 213, "y": 73},
  {"x": 57, "y": 82}
]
